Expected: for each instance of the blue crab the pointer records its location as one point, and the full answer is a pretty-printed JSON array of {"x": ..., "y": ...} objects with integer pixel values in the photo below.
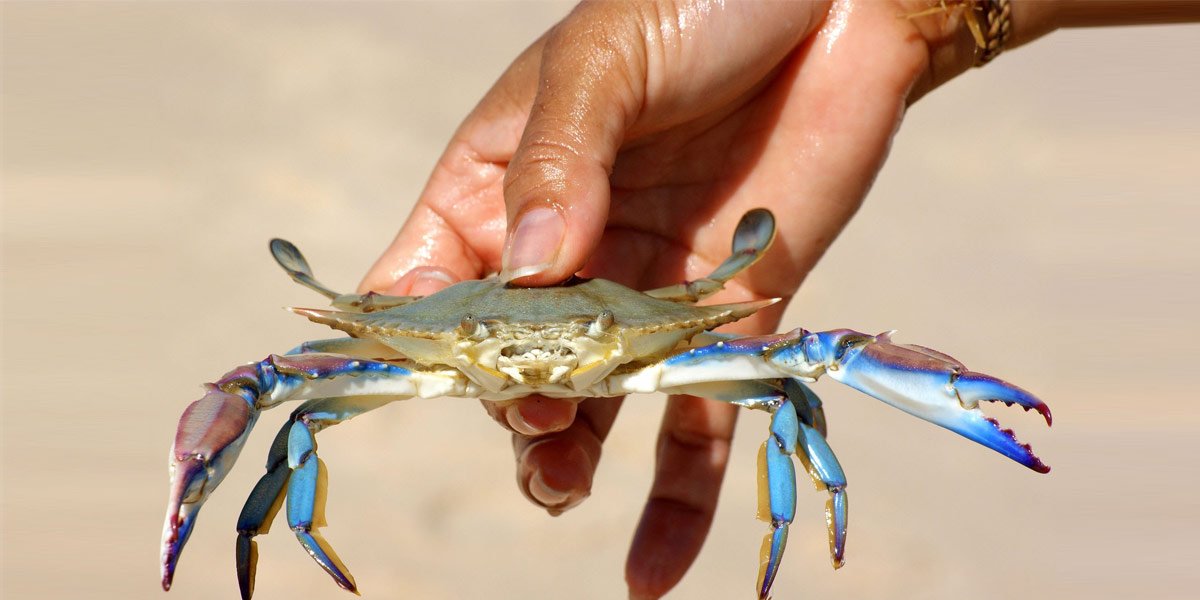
[{"x": 583, "y": 338}]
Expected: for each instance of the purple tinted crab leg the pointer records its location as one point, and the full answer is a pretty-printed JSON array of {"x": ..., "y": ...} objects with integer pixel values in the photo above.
[
  {"x": 213, "y": 429},
  {"x": 750, "y": 240},
  {"x": 268, "y": 494}
]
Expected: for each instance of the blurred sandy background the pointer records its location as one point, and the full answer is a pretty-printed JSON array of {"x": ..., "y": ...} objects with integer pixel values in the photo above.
[{"x": 1037, "y": 220}]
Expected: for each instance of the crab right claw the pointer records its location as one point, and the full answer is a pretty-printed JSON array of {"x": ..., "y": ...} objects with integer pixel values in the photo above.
[{"x": 922, "y": 382}]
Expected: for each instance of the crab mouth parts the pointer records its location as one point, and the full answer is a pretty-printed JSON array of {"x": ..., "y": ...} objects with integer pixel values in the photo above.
[{"x": 533, "y": 363}]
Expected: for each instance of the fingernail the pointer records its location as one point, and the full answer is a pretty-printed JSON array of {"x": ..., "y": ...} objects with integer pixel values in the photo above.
[
  {"x": 637, "y": 596},
  {"x": 517, "y": 421},
  {"x": 421, "y": 281},
  {"x": 549, "y": 497},
  {"x": 430, "y": 282},
  {"x": 533, "y": 244},
  {"x": 539, "y": 416}
]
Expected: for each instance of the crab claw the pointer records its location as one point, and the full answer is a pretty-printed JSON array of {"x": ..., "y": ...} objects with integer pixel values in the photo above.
[
  {"x": 925, "y": 383},
  {"x": 211, "y": 433}
]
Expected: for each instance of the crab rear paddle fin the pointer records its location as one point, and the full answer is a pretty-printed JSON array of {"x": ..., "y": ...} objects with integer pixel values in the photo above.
[
  {"x": 753, "y": 236},
  {"x": 293, "y": 262}
]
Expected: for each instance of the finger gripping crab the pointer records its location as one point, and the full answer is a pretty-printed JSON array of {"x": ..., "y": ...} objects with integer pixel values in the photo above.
[{"x": 583, "y": 338}]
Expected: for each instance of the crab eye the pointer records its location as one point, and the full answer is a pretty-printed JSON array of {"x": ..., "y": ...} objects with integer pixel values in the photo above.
[
  {"x": 472, "y": 327},
  {"x": 603, "y": 321}
]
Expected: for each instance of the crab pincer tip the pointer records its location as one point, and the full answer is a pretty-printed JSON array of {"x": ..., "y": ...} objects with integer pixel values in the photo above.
[
  {"x": 173, "y": 540},
  {"x": 170, "y": 557},
  {"x": 186, "y": 475},
  {"x": 1022, "y": 453}
]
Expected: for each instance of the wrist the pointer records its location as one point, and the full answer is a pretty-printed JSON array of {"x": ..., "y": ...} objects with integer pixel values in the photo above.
[
  {"x": 958, "y": 33},
  {"x": 1032, "y": 19},
  {"x": 944, "y": 25}
]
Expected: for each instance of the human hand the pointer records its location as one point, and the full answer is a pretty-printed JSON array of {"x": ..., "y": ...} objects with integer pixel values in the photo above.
[{"x": 626, "y": 143}]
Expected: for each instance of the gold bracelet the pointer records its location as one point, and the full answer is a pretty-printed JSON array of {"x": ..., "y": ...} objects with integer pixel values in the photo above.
[
  {"x": 989, "y": 21},
  {"x": 995, "y": 16}
]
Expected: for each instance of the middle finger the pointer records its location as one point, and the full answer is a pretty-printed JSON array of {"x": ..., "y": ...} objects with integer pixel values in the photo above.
[{"x": 555, "y": 470}]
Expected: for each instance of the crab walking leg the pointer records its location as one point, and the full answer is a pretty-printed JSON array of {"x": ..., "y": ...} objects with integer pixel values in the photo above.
[
  {"x": 262, "y": 505},
  {"x": 213, "y": 429},
  {"x": 308, "y": 483},
  {"x": 268, "y": 494},
  {"x": 797, "y": 422},
  {"x": 822, "y": 465},
  {"x": 922, "y": 382},
  {"x": 777, "y": 482}
]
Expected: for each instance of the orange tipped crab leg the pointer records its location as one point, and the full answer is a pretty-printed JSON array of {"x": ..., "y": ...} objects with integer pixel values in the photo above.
[{"x": 797, "y": 425}]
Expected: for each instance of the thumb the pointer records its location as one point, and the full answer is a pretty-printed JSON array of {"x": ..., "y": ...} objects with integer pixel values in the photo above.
[{"x": 556, "y": 186}]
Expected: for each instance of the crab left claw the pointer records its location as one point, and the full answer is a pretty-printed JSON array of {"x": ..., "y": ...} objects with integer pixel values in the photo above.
[
  {"x": 211, "y": 433},
  {"x": 924, "y": 383}
]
